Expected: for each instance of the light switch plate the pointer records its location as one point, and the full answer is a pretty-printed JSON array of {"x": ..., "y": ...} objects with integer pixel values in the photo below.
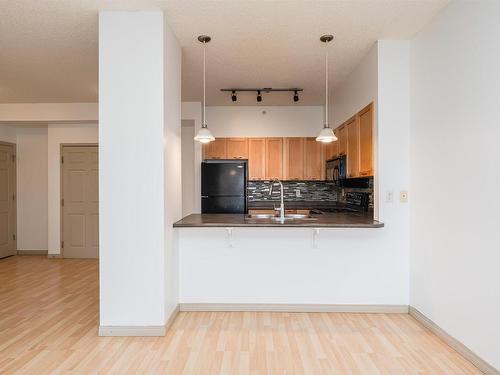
[
  {"x": 403, "y": 196},
  {"x": 297, "y": 193}
]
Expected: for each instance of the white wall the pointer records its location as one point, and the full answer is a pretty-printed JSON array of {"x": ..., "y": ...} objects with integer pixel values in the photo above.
[
  {"x": 61, "y": 134},
  {"x": 455, "y": 234},
  {"x": 280, "y": 265},
  {"x": 7, "y": 133},
  {"x": 357, "y": 91},
  {"x": 188, "y": 181},
  {"x": 192, "y": 111},
  {"x": 246, "y": 121},
  {"x": 140, "y": 168},
  {"x": 32, "y": 188},
  {"x": 48, "y": 112},
  {"x": 173, "y": 164}
]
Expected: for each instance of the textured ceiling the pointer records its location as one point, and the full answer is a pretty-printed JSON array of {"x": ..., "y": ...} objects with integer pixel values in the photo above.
[{"x": 49, "y": 52}]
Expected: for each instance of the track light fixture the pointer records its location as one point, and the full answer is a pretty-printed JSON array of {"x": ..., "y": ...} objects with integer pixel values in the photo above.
[{"x": 259, "y": 92}]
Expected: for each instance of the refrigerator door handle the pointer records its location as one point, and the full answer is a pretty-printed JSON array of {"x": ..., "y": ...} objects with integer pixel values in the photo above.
[{"x": 204, "y": 196}]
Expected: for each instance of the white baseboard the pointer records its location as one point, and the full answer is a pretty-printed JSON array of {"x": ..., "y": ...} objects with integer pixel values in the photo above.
[
  {"x": 145, "y": 331},
  {"x": 131, "y": 330},
  {"x": 464, "y": 351},
  {"x": 32, "y": 252},
  {"x": 54, "y": 256},
  {"x": 387, "y": 309}
]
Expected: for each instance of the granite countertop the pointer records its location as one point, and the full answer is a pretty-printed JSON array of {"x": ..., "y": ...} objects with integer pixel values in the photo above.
[{"x": 325, "y": 220}]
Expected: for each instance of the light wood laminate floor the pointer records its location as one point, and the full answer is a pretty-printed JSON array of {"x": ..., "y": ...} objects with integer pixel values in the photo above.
[{"x": 49, "y": 320}]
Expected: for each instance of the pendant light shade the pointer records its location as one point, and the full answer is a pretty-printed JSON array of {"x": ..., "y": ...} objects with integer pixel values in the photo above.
[
  {"x": 204, "y": 135},
  {"x": 326, "y": 134}
]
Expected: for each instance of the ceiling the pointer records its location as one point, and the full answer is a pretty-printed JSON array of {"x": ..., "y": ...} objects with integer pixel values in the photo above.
[{"x": 49, "y": 49}]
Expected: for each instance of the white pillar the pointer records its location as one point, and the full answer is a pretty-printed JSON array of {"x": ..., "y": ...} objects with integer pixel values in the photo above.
[{"x": 132, "y": 173}]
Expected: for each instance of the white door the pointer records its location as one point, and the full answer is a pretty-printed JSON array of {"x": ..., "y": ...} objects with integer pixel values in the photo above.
[
  {"x": 8, "y": 243},
  {"x": 80, "y": 202}
]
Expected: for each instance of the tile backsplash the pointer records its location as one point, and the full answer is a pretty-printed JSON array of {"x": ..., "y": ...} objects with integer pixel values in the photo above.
[{"x": 308, "y": 191}]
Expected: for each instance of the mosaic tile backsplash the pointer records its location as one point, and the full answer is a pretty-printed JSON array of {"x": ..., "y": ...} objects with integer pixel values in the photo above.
[{"x": 309, "y": 191}]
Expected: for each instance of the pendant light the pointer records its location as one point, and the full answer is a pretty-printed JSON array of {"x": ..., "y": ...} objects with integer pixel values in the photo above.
[
  {"x": 326, "y": 134},
  {"x": 204, "y": 135}
]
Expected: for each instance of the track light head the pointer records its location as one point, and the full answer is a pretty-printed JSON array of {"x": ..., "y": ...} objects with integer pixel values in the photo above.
[
  {"x": 259, "y": 96},
  {"x": 233, "y": 96},
  {"x": 296, "y": 96}
]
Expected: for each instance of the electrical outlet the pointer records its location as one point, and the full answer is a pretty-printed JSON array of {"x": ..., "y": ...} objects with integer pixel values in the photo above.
[
  {"x": 389, "y": 196},
  {"x": 297, "y": 193},
  {"x": 403, "y": 196}
]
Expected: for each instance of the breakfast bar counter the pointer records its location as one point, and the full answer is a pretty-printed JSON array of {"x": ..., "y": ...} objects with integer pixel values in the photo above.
[{"x": 324, "y": 220}]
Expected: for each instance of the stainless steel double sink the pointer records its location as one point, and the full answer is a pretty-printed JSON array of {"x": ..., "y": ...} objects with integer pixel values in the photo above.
[{"x": 288, "y": 216}]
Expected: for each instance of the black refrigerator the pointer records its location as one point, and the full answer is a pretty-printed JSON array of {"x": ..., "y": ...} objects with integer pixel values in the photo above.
[{"x": 224, "y": 187}]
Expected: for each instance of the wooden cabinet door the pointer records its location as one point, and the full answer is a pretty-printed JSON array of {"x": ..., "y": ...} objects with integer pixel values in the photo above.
[
  {"x": 215, "y": 149},
  {"x": 366, "y": 141},
  {"x": 256, "y": 158},
  {"x": 353, "y": 147},
  {"x": 331, "y": 149},
  {"x": 342, "y": 140},
  {"x": 293, "y": 163},
  {"x": 237, "y": 148},
  {"x": 274, "y": 158},
  {"x": 314, "y": 165}
]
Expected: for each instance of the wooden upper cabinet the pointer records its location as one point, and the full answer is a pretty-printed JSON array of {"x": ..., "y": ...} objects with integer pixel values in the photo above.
[
  {"x": 366, "y": 141},
  {"x": 237, "y": 148},
  {"x": 274, "y": 158},
  {"x": 314, "y": 165},
  {"x": 293, "y": 159},
  {"x": 352, "y": 126},
  {"x": 256, "y": 158},
  {"x": 215, "y": 149},
  {"x": 331, "y": 149},
  {"x": 341, "y": 133}
]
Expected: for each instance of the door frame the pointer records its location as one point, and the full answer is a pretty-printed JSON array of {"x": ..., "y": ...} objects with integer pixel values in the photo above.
[
  {"x": 61, "y": 208},
  {"x": 14, "y": 148}
]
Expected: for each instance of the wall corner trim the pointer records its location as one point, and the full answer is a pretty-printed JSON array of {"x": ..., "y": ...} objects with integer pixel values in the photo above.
[
  {"x": 139, "y": 331},
  {"x": 464, "y": 351},
  {"x": 172, "y": 317},
  {"x": 385, "y": 309}
]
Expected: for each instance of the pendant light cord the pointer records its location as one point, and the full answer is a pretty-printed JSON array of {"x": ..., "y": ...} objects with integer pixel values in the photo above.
[
  {"x": 204, "y": 124},
  {"x": 326, "y": 85}
]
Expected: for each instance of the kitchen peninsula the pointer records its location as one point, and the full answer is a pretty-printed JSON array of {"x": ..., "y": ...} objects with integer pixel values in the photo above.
[
  {"x": 337, "y": 220},
  {"x": 285, "y": 220}
]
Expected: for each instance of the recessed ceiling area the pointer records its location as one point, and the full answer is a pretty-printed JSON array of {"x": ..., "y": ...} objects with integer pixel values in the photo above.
[{"x": 49, "y": 49}]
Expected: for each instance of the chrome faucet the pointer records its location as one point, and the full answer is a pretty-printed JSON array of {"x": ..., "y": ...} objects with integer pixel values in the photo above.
[{"x": 282, "y": 206}]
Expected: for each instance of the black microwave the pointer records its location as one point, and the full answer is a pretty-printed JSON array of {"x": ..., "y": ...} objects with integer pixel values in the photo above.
[{"x": 336, "y": 169}]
